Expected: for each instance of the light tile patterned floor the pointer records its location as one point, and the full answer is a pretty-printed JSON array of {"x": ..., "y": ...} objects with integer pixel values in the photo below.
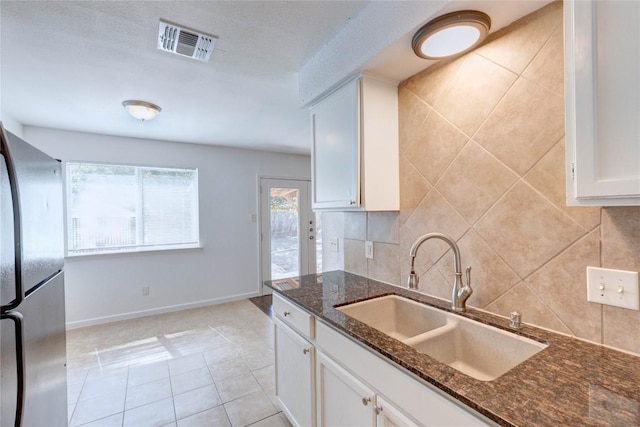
[{"x": 210, "y": 366}]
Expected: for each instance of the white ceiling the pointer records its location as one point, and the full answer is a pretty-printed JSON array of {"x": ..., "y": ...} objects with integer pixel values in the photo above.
[{"x": 70, "y": 64}]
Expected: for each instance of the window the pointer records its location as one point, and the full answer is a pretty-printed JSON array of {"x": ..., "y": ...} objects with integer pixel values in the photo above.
[{"x": 122, "y": 208}]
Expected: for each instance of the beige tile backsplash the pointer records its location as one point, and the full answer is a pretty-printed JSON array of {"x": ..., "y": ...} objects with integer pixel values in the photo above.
[{"x": 482, "y": 160}]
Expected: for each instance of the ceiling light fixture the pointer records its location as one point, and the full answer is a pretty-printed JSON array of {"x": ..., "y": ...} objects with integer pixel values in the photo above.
[
  {"x": 451, "y": 34},
  {"x": 141, "y": 110}
]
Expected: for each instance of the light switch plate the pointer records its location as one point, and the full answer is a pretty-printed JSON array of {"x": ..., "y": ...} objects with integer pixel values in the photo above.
[
  {"x": 613, "y": 287},
  {"x": 368, "y": 249},
  {"x": 333, "y": 244}
]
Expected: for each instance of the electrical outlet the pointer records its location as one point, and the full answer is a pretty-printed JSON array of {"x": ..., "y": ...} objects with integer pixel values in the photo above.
[
  {"x": 613, "y": 287},
  {"x": 333, "y": 244},
  {"x": 368, "y": 249},
  {"x": 145, "y": 291}
]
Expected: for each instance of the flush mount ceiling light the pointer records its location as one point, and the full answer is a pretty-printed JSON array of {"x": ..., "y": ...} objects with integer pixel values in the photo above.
[
  {"x": 451, "y": 34},
  {"x": 142, "y": 110}
]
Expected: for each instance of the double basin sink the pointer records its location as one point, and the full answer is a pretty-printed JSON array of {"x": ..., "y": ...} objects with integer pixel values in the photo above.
[{"x": 478, "y": 350}]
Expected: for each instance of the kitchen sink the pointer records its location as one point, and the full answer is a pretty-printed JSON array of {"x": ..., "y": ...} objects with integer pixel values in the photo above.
[
  {"x": 478, "y": 350},
  {"x": 398, "y": 317},
  {"x": 473, "y": 348}
]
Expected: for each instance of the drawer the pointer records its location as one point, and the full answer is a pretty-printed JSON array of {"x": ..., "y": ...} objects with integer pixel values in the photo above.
[{"x": 294, "y": 316}]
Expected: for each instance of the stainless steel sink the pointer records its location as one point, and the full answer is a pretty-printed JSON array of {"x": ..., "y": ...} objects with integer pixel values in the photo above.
[{"x": 473, "y": 348}]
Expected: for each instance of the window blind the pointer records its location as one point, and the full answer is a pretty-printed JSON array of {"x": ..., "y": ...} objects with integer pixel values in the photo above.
[{"x": 117, "y": 208}]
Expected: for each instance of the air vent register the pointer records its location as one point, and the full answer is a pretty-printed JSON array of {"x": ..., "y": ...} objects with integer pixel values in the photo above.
[{"x": 181, "y": 41}]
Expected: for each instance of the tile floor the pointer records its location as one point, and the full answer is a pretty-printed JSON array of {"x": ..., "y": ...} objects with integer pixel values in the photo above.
[{"x": 210, "y": 366}]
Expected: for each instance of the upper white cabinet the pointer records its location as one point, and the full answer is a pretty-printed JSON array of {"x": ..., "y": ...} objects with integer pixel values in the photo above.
[
  {"x": 355, "y": 159},
  {"x": 602, "y": 102}
]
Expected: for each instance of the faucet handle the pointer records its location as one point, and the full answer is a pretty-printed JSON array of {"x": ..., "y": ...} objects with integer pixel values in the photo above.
[
  {"x": 466, "y": 290},
  {"x": 467, "y": 273}
]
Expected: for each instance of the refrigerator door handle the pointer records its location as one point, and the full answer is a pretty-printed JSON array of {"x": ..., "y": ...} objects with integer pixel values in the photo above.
[
  {"x": 20, "y": 396},
  {"x": 17, "y": 223}
]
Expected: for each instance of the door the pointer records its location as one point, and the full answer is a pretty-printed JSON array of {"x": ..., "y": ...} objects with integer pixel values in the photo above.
[
  {"x": 335, "y": 154},
  {"x": 602, "y": 41},
  {"x": 34, "y": 359},
  {"x": 38, "y": 185},
  {"x": 288, "y": 229},
  {"x": 390, "y": 416},
  {"x": 342, "y": 399},
  {"x": 294, "y": 375}
]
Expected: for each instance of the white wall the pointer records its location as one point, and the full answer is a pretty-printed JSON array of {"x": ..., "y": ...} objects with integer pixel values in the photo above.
[
  {"x": 12, "y": 125},
  {"x": 109, "y": 287}
]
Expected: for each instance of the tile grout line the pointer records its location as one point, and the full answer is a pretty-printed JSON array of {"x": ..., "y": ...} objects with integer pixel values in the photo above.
[{"x": 259, "y": 334}]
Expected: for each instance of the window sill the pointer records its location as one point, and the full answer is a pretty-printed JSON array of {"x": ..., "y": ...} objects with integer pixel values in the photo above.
[{"x": 140, "y": 251}]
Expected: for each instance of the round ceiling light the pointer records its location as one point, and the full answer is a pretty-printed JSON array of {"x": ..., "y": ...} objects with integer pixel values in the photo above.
[
  {"x": 142, "y": 110},
  {"x": 451, "y": 34}
]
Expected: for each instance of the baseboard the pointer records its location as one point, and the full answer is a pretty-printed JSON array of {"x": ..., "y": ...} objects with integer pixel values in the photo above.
[{"x": 160, "y": 310}]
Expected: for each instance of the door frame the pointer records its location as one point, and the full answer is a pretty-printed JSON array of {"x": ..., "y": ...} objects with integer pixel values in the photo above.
[{"x": 259, "y": 179}]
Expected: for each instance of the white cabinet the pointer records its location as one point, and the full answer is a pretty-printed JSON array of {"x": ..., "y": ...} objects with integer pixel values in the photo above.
[
  {"x": 294, "y": 375},
  {"x": 295, "y": 362},
  {"x": 294, "y": 316},
  {"x": 390, "y": 416},
  {"x": 602, "y": 102},
  {"x": 324, "y": 378},
  {"x": 417, "y": 402},
  {"x": 354, "y": 156},
  {"x": 342, "y": 399},
  {"x": 335, "y": 151}
]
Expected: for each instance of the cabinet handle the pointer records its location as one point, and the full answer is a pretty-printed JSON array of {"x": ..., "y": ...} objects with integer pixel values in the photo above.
[
  {"x": 378, "y": 409},
  {"x": 286, "y": 313},
  {"x": 366, "y": 400},
  {"x": 305, "y": 351}
]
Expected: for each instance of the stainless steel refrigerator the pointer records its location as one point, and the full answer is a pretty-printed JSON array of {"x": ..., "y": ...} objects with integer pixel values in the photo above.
[{"x": 33, "y": 383}]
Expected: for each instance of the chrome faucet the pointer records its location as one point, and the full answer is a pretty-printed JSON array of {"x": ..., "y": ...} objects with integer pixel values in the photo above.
[{"x": 460, "y": 293}]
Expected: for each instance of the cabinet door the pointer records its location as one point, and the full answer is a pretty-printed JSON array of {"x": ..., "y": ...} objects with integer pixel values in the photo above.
[
  {"x": 342, "y": 399},
  {"x": 295, "y": 386},
  {"x": 335, "y": 156},
  {"x": 602, "y": 85},
  {"x": 390, "y": 416}
]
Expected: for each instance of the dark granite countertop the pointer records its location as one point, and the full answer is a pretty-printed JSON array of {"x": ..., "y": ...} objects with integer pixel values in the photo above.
[{"x": 570, "y": 383}]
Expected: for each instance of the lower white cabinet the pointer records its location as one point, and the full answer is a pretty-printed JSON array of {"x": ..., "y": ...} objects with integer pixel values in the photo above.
[
  {"x": 342, "y": 399},
  {"x": 295, "y": 369},
  {"x": 403, "y": 400},
  {"x": 390, "y": 416},
  {"x": 325, "y": 379}
]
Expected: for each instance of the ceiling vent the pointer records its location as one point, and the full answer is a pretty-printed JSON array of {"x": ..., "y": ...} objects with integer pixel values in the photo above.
[{"x": 181, "y": 41}]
